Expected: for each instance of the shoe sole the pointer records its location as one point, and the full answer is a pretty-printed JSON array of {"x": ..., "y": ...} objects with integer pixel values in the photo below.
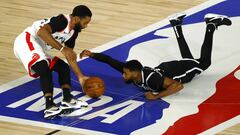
[
  {"x": 75, "y": 106},
  {"x": 53, "y": 115},
  {"x": 209, "y": 16},
  {"x": 176, "y": 16}
]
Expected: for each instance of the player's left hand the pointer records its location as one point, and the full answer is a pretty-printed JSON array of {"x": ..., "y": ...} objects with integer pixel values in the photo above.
[
  {"x": 85, "y": 53},
  {"x": 149, "y": 95}
]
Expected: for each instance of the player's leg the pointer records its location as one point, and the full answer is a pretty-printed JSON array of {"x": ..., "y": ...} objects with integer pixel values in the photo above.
[
  {"x": 64, "y": 78},
  {"x": 182, "y": 70},
  {"x": 30, "y": 53},
  {"x": 176, "y": 22},
  {"x": 46, "y": 84},
  {"x": 213, "y": 21}
]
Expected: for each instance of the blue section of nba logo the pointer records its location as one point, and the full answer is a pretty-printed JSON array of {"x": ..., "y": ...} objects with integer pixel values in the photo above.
[{"x": 23, "y": 101}]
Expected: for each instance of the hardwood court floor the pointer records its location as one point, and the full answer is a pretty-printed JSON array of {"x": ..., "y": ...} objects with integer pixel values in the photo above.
[{"x": 111, "y": 19}]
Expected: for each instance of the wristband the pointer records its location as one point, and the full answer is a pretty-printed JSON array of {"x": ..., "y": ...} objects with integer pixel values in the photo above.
[{"x": 62, "y": 48}]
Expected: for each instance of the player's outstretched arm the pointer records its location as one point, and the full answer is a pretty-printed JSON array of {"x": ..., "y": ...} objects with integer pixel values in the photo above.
[{"x": 103, "y": 58}]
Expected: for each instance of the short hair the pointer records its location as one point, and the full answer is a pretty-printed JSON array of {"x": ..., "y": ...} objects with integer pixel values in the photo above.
[
  {"x": 133, "y": 65},
  {"x": 81, "y": 11}
]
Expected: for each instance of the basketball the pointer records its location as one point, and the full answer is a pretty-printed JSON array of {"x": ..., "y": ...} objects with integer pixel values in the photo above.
[{"x": 94, "y": 87}]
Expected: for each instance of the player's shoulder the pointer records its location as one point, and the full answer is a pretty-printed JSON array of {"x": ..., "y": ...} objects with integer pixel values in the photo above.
[
  {"x": 59, "y": 20},
  {"x": 61, "y": 17},
  {"x": 151, "y": 72},
  {"x": 148, "y": 70}
]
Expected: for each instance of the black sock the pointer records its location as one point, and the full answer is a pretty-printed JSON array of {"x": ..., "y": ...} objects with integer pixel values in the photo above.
[
  {"x": 67, "y": 96},
  {"x": 49, "y": 102}
]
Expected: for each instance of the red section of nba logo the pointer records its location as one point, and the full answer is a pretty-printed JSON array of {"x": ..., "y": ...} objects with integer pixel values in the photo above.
[{"x": 220, "y": 107}]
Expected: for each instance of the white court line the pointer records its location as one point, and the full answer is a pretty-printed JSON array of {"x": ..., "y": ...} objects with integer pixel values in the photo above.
[{"x": 15, "y": 83}]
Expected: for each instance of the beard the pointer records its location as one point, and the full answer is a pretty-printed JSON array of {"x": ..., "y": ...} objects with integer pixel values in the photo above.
[{"x": 78, "y": 27}]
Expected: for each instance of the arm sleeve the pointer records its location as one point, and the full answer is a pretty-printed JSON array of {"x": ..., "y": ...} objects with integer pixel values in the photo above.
[
  {"x": 71, "y": 42},
  {"x": 109, "y": 60},
  {"x": 58, "y": 23},
  {"x": 155, "y": 82}
]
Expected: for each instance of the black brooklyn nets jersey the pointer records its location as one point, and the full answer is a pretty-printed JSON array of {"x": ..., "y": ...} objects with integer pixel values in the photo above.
[{"x": 153, "y": 78}]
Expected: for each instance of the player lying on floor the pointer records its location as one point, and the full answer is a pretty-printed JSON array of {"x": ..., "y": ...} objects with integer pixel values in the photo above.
[{"x": 167, "y": 78}]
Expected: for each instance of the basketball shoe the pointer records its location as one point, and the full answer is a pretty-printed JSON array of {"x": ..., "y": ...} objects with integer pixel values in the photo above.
[
  {"x": 52, "y": 112},
  {"x": 176, "y": 19},
  {"x": 69, "y": 106},
  {"x": 217, "y": 20}
]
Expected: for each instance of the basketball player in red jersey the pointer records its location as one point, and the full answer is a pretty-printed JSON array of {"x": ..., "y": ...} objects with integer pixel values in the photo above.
[{"x": 31, "y": 47}]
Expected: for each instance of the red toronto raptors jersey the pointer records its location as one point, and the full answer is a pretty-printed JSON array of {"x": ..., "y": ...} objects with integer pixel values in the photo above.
[{"x": 61, "y": 30}]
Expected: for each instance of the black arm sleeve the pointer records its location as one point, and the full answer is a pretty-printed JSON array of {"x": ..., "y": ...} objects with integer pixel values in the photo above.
[
  {"x": 71, "y": 42},
  {"x": 109, "y": 60},
  {"x": 58, "y": 23},
  {"x": 155, "y": 82}
]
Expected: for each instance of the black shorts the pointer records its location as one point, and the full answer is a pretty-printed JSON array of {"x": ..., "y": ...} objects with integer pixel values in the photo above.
[{"x": 181, "y": 70}]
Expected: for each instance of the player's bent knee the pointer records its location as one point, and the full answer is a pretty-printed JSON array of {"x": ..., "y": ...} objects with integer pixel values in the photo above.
[
  {"x": 41, "y": 68},
  {"x": 206, "y": 65}
]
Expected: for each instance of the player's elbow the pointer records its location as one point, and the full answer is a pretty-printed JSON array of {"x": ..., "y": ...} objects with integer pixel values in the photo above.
[
  {"x": 40, "y": 32},
  {"x": 179, "y": 86}
]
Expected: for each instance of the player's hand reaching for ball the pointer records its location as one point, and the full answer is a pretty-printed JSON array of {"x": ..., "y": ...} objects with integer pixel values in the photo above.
[
  {"x": 82, "y": 80},
  {"x": 85, "y": 53}
]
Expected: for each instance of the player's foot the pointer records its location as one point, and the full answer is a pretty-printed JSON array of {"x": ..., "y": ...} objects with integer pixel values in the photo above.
[
  {"x": 176, "y": 19},
  {"x": 52, "y": 112},
  {"x": 69, "y": 106},
  {"x": 217, "y": 20}
]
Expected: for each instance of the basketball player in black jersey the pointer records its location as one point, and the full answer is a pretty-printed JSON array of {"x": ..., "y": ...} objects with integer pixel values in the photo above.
[{"x": 167, "y": 78}]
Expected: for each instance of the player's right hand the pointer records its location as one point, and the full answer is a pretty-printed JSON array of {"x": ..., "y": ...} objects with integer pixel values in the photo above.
[
  {"x": 69, "y": 54},
  {"x": 82, "y": 80},
  {"x": 85, "y": 53}
]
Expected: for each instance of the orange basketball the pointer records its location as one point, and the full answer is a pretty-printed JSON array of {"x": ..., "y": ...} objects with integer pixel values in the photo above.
[{"x": 94, "y": 87}]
